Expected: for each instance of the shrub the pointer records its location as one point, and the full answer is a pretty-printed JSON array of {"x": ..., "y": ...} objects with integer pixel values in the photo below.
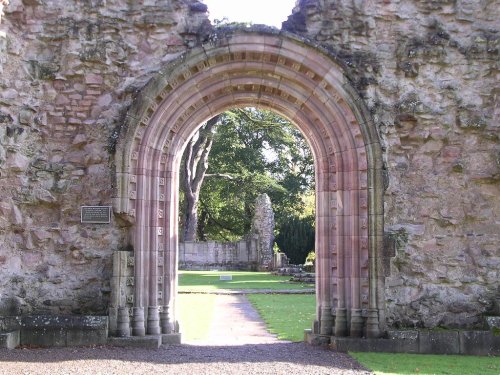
[{"x": 296, "y": 238}]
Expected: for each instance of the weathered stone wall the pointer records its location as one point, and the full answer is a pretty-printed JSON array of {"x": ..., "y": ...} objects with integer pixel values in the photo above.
[
  {"x": 68, "y": 71},
  {"x": 263, "y": 229},
  {"x": 428, "y": 71},
  {"x": 253, "y": 252},
  {"x": 240, "y": 255}
]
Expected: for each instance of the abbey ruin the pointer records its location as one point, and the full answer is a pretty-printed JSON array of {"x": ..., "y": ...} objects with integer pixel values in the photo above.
[{"x": 398, "y": 99}]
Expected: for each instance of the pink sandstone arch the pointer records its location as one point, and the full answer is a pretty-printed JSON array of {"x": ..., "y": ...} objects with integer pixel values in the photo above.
[{"x": 284, "y": 74}]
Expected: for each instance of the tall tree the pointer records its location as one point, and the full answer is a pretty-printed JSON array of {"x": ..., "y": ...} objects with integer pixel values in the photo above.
[
  {"x": 194, "y": 167},
  {"x": 253, "y": 152}
]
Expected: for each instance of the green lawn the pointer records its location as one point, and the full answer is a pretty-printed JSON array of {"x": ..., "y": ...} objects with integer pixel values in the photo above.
[
  {"x": 209, "y": 280},
  {"x": 402, "y": 364},
  {"x": 195, "y": 325},
  {"x": 286, "y": 315}
]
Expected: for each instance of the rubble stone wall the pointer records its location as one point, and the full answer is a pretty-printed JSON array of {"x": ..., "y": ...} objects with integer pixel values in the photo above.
[
  {"x": 68, "y": 72},
  {"x": 428, "y": 71}
]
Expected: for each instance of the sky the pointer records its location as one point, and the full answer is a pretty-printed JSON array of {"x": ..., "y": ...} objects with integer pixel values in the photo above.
[{"x": 268, "y": 12}]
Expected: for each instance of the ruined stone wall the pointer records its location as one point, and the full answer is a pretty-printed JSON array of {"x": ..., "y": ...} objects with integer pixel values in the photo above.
[
  {"x": 240, "y": 255},
  {"x": 68, "y": 72},
  {"x": 263, "y": 229},
  {"x": 252, "y": 252},
  {"x": 428, "y": 71}
]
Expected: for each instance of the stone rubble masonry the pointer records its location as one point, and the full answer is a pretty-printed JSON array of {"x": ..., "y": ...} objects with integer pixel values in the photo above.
[
  {"x": 68, "y": 72},
  {"x": 427, "y": 70}
]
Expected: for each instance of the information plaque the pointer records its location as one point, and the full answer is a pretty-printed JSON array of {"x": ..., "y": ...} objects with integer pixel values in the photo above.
[{"x": 95, "y": 214}]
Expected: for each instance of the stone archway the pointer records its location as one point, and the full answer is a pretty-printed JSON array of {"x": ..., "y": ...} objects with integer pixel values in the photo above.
[{"x": 282, "y": 73}]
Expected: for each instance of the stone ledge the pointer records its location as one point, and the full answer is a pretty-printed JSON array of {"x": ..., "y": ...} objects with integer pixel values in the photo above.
[
  {"x": 147, "y": 342},
  {"x": 171, "y": 339},
  {"x": 10, "y": 340},
  {"x": 61, "y": 331},
  {"x": 417, "y": 342},
  {"x": 314, "y": 339},
  {"x": 64, "y": 322}
]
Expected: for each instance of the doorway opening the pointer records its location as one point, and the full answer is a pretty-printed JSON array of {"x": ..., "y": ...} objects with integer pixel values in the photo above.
[
  {"x": 246, "y": 204},
  {"x": 282, "y": 73}
]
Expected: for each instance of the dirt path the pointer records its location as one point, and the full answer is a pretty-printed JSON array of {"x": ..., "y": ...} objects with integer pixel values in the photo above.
[{"x": 236, "y": 322}]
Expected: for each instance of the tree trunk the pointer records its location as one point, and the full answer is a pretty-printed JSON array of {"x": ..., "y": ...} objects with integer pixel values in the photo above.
[{"x": 194, "y": 168}]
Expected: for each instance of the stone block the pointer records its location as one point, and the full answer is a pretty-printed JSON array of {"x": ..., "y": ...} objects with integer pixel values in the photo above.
[
  {"x": 10, "y": 340},
  {"x": 58, "y": 331},
  {"x": 405, "y": 341},
  {"x": 171, "y": 339},
  {"x": 350, "y": 344},
  {"x": 315, "y": 339},
  {"x": 147, "y": 342},
  {"x": 446, "y": 342},
  {"x": 44, "y": 337},
  {"x": 479, "y": 343},
  {"x": 76, "y": 337}
]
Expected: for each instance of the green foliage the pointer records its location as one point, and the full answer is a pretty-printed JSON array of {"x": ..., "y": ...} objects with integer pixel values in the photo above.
[
  {"x": 194, "y": 281},
  {"x": 296, "y": 238},
  {"x": 496, "y": 331},
  {"x": 311, "y": 257},
  {"x": 253, "y": 152},
  {"x": 286, "y": 315},
  {"x": 389, "y": 363}
]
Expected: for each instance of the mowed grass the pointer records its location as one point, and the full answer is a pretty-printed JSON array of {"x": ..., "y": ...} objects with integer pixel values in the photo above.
[
  {"x": 286, "y": 315},
  {"x": 388, "y": 364},
  {"x": 202, "y": 281},
  {"x": 195, "y": 315}
]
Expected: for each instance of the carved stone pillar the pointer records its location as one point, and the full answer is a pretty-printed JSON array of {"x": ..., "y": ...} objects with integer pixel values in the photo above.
[
  {"x": 123, "y": 322},
  {"x": 138, "y": 328}
]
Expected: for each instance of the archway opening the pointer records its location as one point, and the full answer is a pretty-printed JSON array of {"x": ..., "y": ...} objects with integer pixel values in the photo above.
[
  {"x": 248, "y": 175},
  {"x": 303, "y": 83}
]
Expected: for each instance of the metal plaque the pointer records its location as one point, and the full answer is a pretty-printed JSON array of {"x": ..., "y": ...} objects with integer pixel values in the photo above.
[{"x": 96, "y": 214}]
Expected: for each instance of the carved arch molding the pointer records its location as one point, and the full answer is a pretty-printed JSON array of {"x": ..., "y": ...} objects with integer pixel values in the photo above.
[{"x": 284, "y": 74}]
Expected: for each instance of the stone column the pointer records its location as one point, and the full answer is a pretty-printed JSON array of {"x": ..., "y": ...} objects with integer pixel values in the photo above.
[
  {"x": 123, "y": 322},
  {"x": 323, "y": 271},
  {"x": 171, "y": 239},
  {"x": 141, "y": 232},
  {"x": 156, "y": 234},
  {"x": 340, "y": 312},
  {"x": 356, "y": 324}
]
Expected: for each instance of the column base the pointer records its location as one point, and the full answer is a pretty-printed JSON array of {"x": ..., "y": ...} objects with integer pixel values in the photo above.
[
  {"x": 138, "y": 328},
  {"x": 153, "y": 321},
  {"x": 341, "y": 322}
]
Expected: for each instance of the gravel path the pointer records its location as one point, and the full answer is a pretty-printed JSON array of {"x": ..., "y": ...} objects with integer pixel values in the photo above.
[
  {"x": 238, "y": 343},
  {"x": 286, "y": 358}
]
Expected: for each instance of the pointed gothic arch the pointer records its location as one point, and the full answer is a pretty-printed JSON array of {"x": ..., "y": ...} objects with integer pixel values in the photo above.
[{"x": 303, "y": 83}]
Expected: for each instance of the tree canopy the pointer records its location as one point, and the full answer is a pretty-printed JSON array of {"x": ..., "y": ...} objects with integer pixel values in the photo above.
[{"x": 252, "y": 152}]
